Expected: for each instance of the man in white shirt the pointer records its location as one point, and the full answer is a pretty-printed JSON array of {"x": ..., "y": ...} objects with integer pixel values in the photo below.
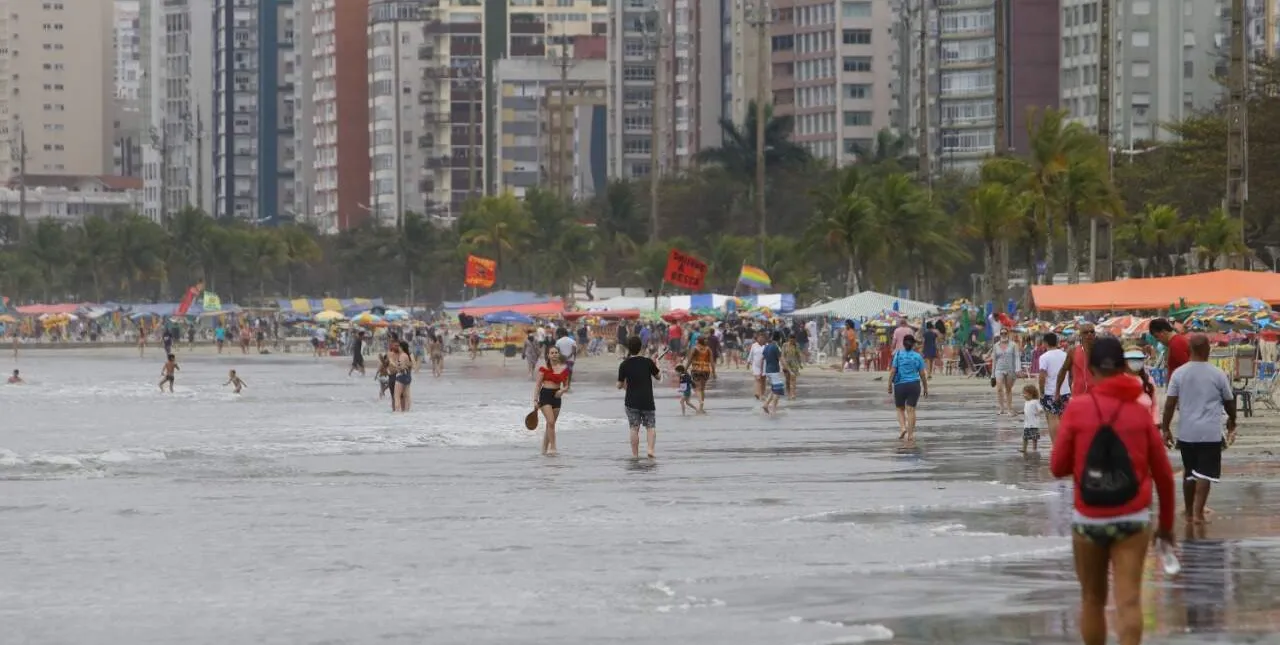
[
  {"x": 1051, "y": 363},
  {"x": 755, "y": 358},
  {"x": 1200, "y": 393},
  {"x": 568, "y": 352}
]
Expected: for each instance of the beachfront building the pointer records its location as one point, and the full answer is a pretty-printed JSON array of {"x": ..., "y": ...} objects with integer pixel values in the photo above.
[
  {"x": 551, "y": 123},
  {"x": 253, "y": 105}
]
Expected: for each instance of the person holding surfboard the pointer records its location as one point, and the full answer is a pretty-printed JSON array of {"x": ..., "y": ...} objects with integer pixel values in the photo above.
[{"x": 636, "y": 375}]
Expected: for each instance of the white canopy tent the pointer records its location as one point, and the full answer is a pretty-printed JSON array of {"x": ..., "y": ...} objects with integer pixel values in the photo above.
[
  {"x": 866, "y": 305},
  {"x": 623, "y": 303}
]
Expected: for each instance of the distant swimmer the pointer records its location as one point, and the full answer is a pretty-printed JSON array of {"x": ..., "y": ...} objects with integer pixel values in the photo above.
[
  {"x": 166, "y": 373},
  {"x": 232, "y": 379},
  {"x": 15, "y": 379}
]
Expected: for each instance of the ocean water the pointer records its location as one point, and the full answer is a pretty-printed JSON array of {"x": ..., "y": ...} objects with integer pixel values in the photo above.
[{"x": 304, "y": 511}]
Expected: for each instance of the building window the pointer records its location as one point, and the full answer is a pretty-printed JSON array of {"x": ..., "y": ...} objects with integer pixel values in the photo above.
[
  {"x": 854, "y": 118},
  {"x": 858, "y": 147},
  {"x": 1141, "y": 39},
  {"x": 857, "y": 63},
  {"x": 784, "y": 43},
  {"x": 1188, "y": 69},
  {"x": 857, "y": 36},
  {"x": 857, "y": 90},
  {"x": 1141, "y": 69},
  {"x": 854, "y": 9}
]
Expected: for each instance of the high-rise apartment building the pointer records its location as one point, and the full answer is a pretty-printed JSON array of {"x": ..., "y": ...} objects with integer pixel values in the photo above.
[
  {"x": 832, "y": 67},
  {"x": 638, "y": 35},
  {"x": 56, "y": 59},
  {"x": 740, "y": 57},
  {"x": 128, "y": 55},
  {"x": 961, "y": 79},
  {"x": 253, "y": 109},
  {"x": 551, "y": 125},
  {"x": 1166, "y": 58},
  {"x": 176, "y": 104},
  {"x": 397, "y": 55},
  {"x": 338, "y": 104}
]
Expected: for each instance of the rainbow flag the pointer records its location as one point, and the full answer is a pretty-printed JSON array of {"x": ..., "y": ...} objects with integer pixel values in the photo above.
[{"x": 754, "y": 277}]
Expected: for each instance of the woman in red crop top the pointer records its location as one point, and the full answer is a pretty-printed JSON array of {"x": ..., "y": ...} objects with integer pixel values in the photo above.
[{"x": 551, "y": 383}]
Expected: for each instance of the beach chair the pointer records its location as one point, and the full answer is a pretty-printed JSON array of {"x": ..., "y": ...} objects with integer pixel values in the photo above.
[{"x": 1264, "y": 390}]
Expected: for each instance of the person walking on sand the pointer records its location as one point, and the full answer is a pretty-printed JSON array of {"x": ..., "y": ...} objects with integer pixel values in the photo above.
[
  {"x": 1111, "y": 449},
  {"x": 755, "y": 359},
  {"x": 166, "y": 373},
  {"x": 771, "y": 357},
  {"x": 636, "y": 375},
  {"x": 792, "y": 363},
  {"x": 1005, "y": 360},
  {"x": 1053, "y": 401},
  {"x": 235, "y": 381},
  {"x": 552, "y": 383},
  {"x": 699, "y": 364},
  {"x": 1077, "y": 364},
  {"x": 1178, "y": 346},
  {"x": 1200, "y": 392},
  {"x": 357, "y": 354},
  {"x": 532, "y": 352},
  {"x": 404, "y": 377},
  {"x": 1032, "y": 418},
  {"x": 907, "y": 382}
]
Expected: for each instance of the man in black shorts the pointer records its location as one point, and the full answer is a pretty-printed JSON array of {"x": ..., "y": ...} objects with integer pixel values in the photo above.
[
  {"x": 1199, "y": 392},
  {"x": 636, "y": 375}
]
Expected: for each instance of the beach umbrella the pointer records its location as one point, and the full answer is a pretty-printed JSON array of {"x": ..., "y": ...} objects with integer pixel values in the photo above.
[
  {"x": 507, "y": 318},
  {"x": 393, "y": 315},
  {"x": 329, "y": 316},
  {"x": 7, "y": 319},
  {"x": 1248, "y": 304},
  {"x": 368, "y": 319},
  {"x": 677, "y": 316}
]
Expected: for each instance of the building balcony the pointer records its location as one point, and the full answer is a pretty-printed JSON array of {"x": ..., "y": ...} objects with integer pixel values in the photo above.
[
  {"x": 969, "y": 34},
  {"x": 426, "y": 52},
  {"x": 974, "y": 63},
  {"x": 435, "y": 27},
  {"x": 969, "y": 93},
  {"x": 438, "y": 163},
  {"x": 964, "y": 4}
]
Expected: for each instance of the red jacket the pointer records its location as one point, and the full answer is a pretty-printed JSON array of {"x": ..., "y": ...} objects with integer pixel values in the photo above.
[{"x": 1133, "y": 424}]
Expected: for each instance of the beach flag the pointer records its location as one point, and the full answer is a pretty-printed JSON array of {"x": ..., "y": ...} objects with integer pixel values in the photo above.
[
  {"x": 212, "y": 302},
  {"x": 754, "y": 277}
]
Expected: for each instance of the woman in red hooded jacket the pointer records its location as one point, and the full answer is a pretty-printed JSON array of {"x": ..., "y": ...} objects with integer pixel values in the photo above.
[{"x": 1113, "y": 536}]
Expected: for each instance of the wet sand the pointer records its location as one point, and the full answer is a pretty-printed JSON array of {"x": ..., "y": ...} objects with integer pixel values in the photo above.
[{"x": 304, "y": 512}]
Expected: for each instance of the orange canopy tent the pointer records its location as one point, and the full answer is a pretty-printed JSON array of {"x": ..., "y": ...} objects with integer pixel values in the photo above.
[{"x": 1214, "y": 288}]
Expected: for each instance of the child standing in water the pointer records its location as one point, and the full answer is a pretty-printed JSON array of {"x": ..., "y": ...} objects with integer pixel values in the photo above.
[
  {"x": 686, "y": 389},
  {"x": 15, "y": 379},
  {"x": 166, "y": 373},
  {"x": 234, "y": 380},
  {"x": 1033, "y": 418}
]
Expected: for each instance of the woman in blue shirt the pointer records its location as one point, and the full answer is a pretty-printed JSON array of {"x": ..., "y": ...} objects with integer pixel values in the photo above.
[{"x": 907, "y": 380}]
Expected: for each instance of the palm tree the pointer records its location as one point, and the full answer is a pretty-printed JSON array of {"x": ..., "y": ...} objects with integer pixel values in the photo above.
[
  {"x": 1056, "y": 149},
  {"x": 725, "y": 255},
  {"x": 991, "y": 215},
  {"x": 1217, "y": 237},
  {"x": 738, "y": 152},
  {"x": 496, "y": 224},
  {"x": 844, "y": 221},
  {"x": 300, "y": 250},
  {"x": 1158, "y": 231},
  {"x": 1085, "y": 189}
]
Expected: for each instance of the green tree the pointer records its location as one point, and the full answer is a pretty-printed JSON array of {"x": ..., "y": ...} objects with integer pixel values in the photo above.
[
  {"x": 497, "y": 225},
  {"x": 991, "y": 216}
]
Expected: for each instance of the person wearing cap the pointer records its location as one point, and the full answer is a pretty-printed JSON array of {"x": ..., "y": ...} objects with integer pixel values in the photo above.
[
  {"x": 1113, "y": 538},
  {"x": 1200, "y": 392},
  {"x": 907, "y": 381}
]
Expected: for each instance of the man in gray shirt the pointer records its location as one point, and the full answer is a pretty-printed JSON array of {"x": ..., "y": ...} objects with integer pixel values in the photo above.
[{"x": 1200, "y": 392}]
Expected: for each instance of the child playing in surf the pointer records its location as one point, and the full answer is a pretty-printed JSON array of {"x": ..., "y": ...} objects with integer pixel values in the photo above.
[
  {"x": 383, "y": 376},
  {"x": 166, "y": 373},
  {"x": 15, "y": 379},
  {"x": 1034, "y": 418},
  {"x": 686, "y": 389},
  {"x": 234, "y": 380}
]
